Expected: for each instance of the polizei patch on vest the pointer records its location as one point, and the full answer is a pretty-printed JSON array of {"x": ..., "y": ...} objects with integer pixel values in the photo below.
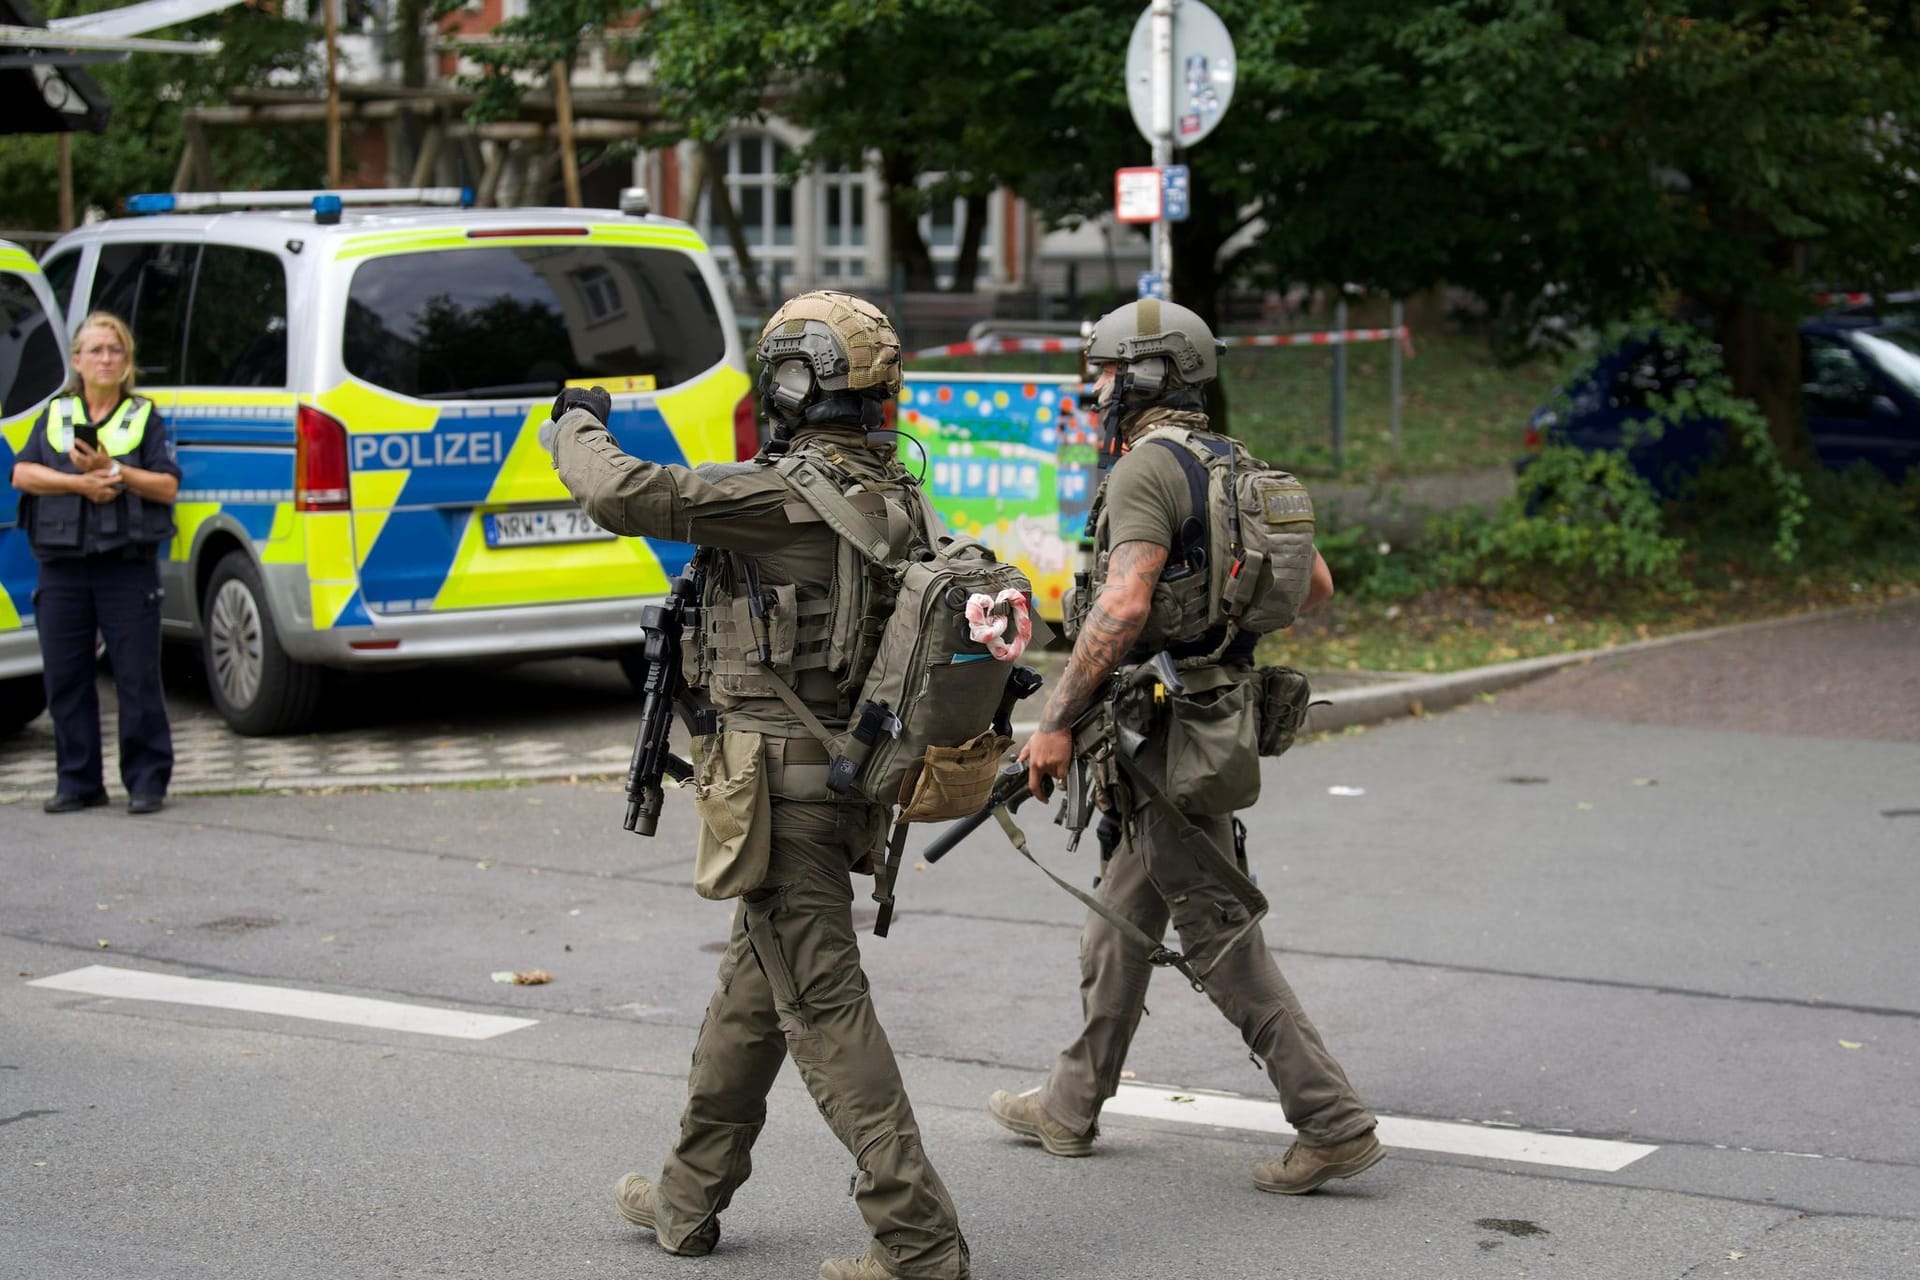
[{"x": 1286, "y": 506}]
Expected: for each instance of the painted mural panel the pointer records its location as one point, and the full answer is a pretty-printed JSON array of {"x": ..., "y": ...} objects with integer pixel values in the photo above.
[{"x": 1010, "y": 461}]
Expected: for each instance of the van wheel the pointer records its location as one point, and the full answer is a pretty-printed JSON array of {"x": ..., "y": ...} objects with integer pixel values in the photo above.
[
  {"x": 21, "y": 699},
  {"x": 256, "y": 686}
]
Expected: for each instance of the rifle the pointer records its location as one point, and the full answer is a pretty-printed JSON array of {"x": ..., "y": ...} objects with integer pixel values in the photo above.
[{"x": 663, "y": 689}]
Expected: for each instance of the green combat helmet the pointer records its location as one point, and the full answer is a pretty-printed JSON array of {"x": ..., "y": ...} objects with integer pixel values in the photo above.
[
  {"x": 827, "y": 357},
  {"x": 1166, "y": 355}
]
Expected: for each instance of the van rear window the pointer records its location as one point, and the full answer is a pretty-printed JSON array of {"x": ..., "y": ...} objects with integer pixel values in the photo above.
[
  {"x": 498, "y": 322},
  {"x": 30, "y": 366}
]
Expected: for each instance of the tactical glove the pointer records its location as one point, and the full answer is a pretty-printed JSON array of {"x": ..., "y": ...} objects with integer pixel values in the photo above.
[{"x": 595, "y": 400}]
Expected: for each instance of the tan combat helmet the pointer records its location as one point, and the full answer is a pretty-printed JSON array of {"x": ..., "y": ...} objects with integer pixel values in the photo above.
[
  {"x": 1162, "y": 346},
  {"x": 822, "y": 346}
]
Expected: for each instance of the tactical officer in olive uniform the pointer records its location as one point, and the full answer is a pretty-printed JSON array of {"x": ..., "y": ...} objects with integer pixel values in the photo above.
[
  {"x": 791, "y": 981},
  {"x": 1154, "y": 358}
]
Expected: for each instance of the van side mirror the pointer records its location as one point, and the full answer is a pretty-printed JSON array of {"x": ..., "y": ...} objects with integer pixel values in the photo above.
[{"x": 1884, "y": 407}]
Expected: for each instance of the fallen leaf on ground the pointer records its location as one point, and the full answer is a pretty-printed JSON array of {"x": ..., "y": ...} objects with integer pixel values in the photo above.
[
  {"x": 1850, "y": 1044},
  {"x": 529, "y": 978},
  {"x": 1646, "y": 782}
]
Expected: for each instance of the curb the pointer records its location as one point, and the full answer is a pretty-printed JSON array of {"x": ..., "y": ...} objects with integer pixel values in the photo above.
[{"x": 1420, "y": 695}]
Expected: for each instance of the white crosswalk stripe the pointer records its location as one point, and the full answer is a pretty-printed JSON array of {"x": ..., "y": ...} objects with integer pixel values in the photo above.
[{"x": 1458, "y": 1138}]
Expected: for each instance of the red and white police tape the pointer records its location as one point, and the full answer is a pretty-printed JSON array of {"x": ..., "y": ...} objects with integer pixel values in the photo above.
[{"x": 1051, "y": 346}]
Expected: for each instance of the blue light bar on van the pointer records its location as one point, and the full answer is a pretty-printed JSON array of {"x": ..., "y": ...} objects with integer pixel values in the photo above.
[
  {"x": 326, "y": 209},
  {"x": 219, "y": 201}
]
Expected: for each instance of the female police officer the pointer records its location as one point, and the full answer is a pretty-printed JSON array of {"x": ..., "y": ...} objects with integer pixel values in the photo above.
[{"x": 100, "y": 482}]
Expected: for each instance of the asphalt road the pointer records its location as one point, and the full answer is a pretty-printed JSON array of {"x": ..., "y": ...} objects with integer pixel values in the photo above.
[{"x": 1541, "y": 918}]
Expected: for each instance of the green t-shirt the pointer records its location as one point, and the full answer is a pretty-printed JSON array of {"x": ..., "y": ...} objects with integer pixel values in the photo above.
[{"x": 1147, "y": 497}]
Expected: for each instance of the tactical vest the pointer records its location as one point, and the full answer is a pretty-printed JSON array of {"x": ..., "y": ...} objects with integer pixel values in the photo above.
[
  {"x": 1241, "y": 561},
  {"x": 917, "y": 702},
  {"x": 816, "y": 635},
  {"x": 63, "y": 525},
  {"x": 119, "y": 435}
]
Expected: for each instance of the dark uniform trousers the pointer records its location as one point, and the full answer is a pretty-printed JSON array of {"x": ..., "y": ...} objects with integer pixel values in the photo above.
[
  {"x": 119, "y": 597},
  {"x": 1150, "y": 879},
  {"x": 791, "y": 983}
]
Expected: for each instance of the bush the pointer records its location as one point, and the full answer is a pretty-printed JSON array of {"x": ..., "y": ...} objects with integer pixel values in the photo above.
[
  {"x": 1578, "y": 523},
  {"x": 1852, "y": 516},
  {"x": 1367, "y": 567}
]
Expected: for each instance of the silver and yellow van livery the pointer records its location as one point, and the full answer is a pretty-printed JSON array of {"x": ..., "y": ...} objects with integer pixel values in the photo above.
[
  {"x": 355, "y": 398},
  {"x": 33, "y": 366}
]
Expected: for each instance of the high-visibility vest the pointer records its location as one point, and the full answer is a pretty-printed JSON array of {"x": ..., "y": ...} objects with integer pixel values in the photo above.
[{"x": 119, "y": 435}]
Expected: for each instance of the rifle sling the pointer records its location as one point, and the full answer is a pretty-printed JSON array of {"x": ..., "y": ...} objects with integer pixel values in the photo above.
[
  {"x": 883, "y": 880},
  {"x": 1204, "y": 851},
  {"x": 1157, "y": 951}
]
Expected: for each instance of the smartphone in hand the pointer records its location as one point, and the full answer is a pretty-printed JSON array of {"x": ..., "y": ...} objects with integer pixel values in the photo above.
[{"x": 87, "y": 434}]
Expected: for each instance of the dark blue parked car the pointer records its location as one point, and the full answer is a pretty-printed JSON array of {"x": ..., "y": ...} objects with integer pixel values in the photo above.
[{"x": 1860, "y": 385}]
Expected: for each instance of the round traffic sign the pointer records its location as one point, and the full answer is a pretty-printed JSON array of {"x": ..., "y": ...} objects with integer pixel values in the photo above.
[{"x": 1203, "y": 72}]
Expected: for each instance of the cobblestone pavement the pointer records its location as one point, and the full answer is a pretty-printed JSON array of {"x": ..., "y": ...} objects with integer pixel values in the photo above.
[{"x": 538, "y": 720}]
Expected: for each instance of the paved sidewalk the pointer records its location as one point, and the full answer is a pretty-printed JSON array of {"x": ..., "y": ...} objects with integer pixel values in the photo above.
[{"x": 576, "y": 718}]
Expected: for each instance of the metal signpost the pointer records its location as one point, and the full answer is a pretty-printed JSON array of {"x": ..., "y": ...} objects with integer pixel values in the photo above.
[{"x": 1180, "y": 74}]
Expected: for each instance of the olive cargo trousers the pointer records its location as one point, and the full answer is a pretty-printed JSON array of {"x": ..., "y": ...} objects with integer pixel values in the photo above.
[
  {"x": 791, "y": 983},
  {"x": 1149, "y": 878}
]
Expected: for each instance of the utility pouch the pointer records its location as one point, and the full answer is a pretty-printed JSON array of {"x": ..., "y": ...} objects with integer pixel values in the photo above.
[
  {"x": 1283, "y": 708},
  {"x": 951, "y": 782},
  {"x": 58, "y": 521},
  {"x": 1213, "y": 762},
  {"x": 736, "y": 815}
]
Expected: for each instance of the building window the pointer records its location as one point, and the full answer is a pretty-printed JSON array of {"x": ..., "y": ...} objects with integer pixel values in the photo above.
[
  {"x": 942, "y": 227},
  {"x": 764, "y": 201},
  {"x": 843, "y": 223}
]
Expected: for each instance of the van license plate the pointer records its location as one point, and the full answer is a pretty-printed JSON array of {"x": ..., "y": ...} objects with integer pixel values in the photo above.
[{"x": 548, "y": 525}]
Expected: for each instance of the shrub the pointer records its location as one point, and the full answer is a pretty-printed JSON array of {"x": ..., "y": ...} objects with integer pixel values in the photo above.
[{"x": 1577, "y": 523}]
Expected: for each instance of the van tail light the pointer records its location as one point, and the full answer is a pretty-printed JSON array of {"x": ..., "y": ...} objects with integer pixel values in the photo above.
[
  {"x": 320, "y": 478},
  {"x": 746, "y": 427},
  {"x": 1533, "y": 437}
]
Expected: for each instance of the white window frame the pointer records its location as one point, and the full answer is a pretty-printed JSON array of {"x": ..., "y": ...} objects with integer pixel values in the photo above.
[{"x": 768, "y": 252}]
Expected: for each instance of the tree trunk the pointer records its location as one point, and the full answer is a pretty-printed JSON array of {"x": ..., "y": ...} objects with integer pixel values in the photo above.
[
  {"x": 905, "y": 245},
  {"x": 1762, "y": 353},
  {"x": 713, "y": 159},
  {"x": 966, "y": 267},
  {"x": 409, "y": 42}
]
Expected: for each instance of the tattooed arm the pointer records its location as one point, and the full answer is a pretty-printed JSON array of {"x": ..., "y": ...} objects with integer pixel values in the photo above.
[{"x": 1111, "y": 628}]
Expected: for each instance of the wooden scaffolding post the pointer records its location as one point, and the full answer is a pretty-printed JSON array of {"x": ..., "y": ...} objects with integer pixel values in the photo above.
[{"x": 563, "y": 121}]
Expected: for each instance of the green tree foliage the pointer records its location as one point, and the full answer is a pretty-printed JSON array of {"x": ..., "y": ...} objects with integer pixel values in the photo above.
[
  {"x": 142, "y": 145},
  {"x": 1582, "y": 158}
]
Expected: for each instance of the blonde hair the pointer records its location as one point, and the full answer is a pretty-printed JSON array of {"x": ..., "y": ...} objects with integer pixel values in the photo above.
[{"x": 102, "y": 320}]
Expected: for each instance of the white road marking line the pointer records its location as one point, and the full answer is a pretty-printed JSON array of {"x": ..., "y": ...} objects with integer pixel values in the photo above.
[
  {"x": 1190, "y": 1106},
  {"x": 289, "y": 1002}
]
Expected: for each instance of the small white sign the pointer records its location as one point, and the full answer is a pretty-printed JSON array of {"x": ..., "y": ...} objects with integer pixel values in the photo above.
[{"x": 1136, "y": 194}]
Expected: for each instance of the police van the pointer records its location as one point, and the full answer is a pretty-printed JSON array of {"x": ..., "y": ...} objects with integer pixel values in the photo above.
[
  {"x": 33, "y": 366},
  {"x": 354, "y": 384}
]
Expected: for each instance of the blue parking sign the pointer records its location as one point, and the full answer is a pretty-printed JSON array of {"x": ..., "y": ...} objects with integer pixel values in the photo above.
[
  {"x": 1176, "y": 190},
  {"x": 1153, "y": 285}
]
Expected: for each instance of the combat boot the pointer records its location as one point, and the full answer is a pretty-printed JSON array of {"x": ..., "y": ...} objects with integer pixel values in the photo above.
[
  {"x": 1022, "y": 1113},
  {"x": 1304, "y": 1168},
  {"x": 634, "y": 1198},
  {"x": 864, "y": 1267}
]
